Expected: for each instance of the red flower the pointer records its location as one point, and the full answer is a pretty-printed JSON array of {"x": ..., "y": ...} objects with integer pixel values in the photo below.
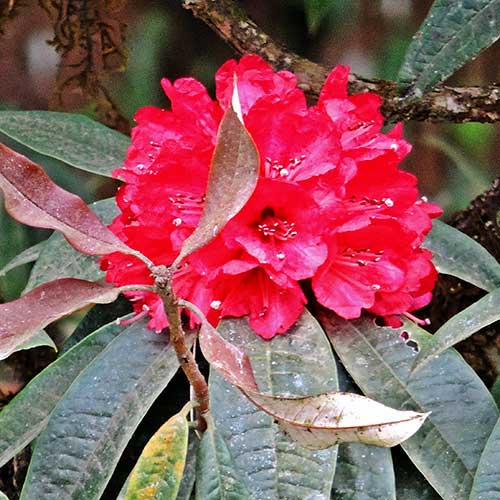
[{"x": 330, "y": 205}]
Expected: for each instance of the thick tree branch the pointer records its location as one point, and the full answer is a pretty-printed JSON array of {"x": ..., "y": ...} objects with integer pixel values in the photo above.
[{"x": 445, "y": 104}]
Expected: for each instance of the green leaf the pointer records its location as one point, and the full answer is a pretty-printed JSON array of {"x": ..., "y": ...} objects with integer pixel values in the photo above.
[
  {"x": 89, "y": 428},
  {"x": 216, "y": 476},
  {"x": 410, "y": 484},
  {"x": 58, "y": 259},
  {"x": 75, "y": 139},
  {"x": 189, "y": 476},
  {"x": 158, "y": 472},
  {"x": 39, "y": 339},
  {"x": 25, "y": 257},
  {"x": 297, "y": 364},
  {"x": 456, "y": 254},
  {"x": 3, "y": 496},
  {"x": 451, "y": 34},
  {"x": 362, "y": 469},
  {"x": 27, "y": 414},
  {"x": 486, "y": 484},
  {"x": 495, "y": 391},
  {"x": 482, "y": 313},
  {"x": 316, "y": 11},
  {"x": 447, "y": 448}
]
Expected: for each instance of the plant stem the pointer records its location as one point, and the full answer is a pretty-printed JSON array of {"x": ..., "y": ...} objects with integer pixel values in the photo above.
[{"x": 163, "y": 287}]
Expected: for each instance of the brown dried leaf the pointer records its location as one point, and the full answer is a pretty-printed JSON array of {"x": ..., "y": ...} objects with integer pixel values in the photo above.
[
  {"x": 318, "y": 421},
  {"x": 24, "y": 317},
  {"x": 32, "y": 198},
  {"x": 232, "y": 180}
]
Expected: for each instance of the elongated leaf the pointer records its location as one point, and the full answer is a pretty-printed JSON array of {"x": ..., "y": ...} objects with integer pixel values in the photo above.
[
  {"x": 75, "y": 139},
  {"x": 456, "y": 254},
  {"x": 59, "y": 259},
  {"x": 3, "y": 496},
  {"x": 452, "y": 33},
  {"x": 189, "y": 476},
  {"x": 158, "y": 472},
  {"x": 448, "y": 446},
  {"x": 482, "y": 313},
  {"x": 39, "y": 339},
  {"x": 25, "y": 257},
  {"x": 27, "y": 414},
  {"x": 495, "y": 391},
  {"x": 296, "y": 364},
  {"x": 216, "y": 475},
  {"x": 486, "y": 484},
  {"x": 362, "y": 469},
  {"x": 232, "y": 180},
  {"x": 317, "y": 421},
  {"x": 32, "y": 198},
  {"x": 22, "y": 318},
  {"x": 90, "y": 427}
]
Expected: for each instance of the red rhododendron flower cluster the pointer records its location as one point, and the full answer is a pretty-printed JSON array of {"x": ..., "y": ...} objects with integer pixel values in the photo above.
[{"x": 330, "y": 205}]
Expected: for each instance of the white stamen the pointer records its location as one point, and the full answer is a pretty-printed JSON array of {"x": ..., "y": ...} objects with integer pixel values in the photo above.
[
  {"x": 388, "y": 202},
  {"x": 280, "y": 255},
  {"x": 215, "y": 304},
  {"x": 177, "y": 221}
]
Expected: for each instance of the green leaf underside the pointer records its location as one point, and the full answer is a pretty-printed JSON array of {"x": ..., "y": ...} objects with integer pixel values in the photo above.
[
  {"x": 361, "y": 469},
  {"x": 59, "y": 259},
  {"x": 452, "y": 33},
  {"x": 448, "y": 446},
  {"x": 482, "y": 313},
  {"x": 25, "y": 257},
  {"x": 456, "y": 254},
  {"x": 159, "y": 470},
  {"x": 74, "y": 139},
  {"x": 216, "y": 474},
  {"x": 486, "y": 484},
  {"x": 299, "y": 363},
  {"x": 26, "y": 415},
  {"x": 88, "y": 430}
]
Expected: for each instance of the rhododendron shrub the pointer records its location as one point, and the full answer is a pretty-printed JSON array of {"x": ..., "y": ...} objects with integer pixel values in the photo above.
[
  {"x": 331, "y": 207},
  {"x": 266, "y": 231}
]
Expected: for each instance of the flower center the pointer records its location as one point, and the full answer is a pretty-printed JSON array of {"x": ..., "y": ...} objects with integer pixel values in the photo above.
[
  {"x": 282, "y": 169},
  {"x": 272, "y": 226},
  {"x": 362, "y": 256},
  {"x": 186, "y": 205},
  {"x": 366, "y": 203}
]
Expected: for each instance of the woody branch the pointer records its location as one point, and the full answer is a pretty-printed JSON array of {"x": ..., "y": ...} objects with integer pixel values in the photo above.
[{"x": 444, "y": 104}]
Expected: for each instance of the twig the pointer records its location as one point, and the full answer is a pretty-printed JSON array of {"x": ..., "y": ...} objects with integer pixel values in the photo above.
[
  {"x": 444, "y": 104},
  {"x": 163, "y": 287}
]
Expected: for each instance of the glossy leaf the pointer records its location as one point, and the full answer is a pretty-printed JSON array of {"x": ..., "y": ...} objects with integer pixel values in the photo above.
[
  {"x": 232, "y": 179},
  {"x": 362, "y": 469},
  {"x": 33, "y": 199},
  {"x": 25, "y": 257},
  {"x": 189, "y": 476},
  {"x": 316, "y": 421},
  {"x": 452, "y": 33},
  {"x": 216, "y": 476},
  {"x": 89, "y": 428},
  {"x": 486, "y": 484},
  {"x": 27, "y": 414},
  {"x": 456, "y": 254},
  {"x": 22, "y": 318},
  {"x": 3, "y": 496},
  {"x": 448, "y": 446},
  {"x": 58, "y": 259},
  {"x": 74, "y": 139},
  {"x": 296, "y": 364},
  {"x": 158, "y": 472},
  {"x": 482, "y": 313}
]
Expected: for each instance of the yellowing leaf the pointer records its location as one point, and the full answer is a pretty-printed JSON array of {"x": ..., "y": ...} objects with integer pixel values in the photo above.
[{"x": 158, "y": 472}]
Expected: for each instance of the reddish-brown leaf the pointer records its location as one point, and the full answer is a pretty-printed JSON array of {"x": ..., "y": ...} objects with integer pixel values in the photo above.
[
  {"x": 22, "y": 318},
  {"x": 232, "y": 180},
  {"x": 33, "y": 199}
]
